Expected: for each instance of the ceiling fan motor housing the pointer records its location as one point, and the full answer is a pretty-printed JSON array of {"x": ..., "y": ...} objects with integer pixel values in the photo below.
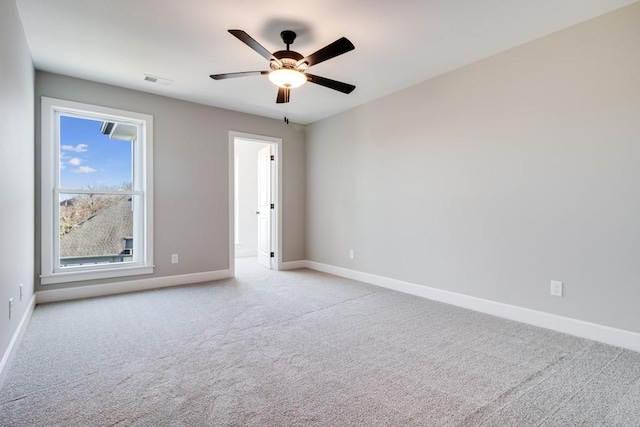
[{"x": 289, "y": 60}]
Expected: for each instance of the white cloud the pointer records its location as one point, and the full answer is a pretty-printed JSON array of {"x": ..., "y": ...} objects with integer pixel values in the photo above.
[
  {"x": 75, "y": 161},
  {"x": 85, "y": 169},
  {"x": 80, "y": 148}
]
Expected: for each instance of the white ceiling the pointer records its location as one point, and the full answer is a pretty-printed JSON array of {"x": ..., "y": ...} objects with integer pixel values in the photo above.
[{"x": 398, "y": 43}]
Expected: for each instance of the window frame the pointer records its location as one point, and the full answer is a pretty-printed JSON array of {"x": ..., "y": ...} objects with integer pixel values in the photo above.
[{"x": 142, "y": 165}]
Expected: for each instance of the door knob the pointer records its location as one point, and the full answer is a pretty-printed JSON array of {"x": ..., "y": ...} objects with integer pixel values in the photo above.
[{"x": 257, "y": 212}]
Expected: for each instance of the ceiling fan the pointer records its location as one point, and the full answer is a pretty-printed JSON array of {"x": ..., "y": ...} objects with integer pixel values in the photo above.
[{"x": 288, "y": 68}]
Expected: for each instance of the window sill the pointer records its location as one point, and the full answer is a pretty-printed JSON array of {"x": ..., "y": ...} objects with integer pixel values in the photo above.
[{"x": 77, "y": 276}]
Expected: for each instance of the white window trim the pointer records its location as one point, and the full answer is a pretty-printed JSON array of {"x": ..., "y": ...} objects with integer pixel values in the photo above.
[{"x": 49, "y": 170}]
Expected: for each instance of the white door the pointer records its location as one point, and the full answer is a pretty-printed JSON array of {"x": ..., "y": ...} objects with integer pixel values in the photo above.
[{"x": 264, "y": 207}]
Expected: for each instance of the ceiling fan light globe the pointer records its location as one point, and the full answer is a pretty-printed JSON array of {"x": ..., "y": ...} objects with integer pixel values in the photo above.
[{"x": 287, "y": 78}]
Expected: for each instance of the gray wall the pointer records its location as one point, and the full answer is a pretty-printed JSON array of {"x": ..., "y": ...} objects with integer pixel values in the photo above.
[
  {"x": 16, "y": 171},
  {"x": 191, "y": 174},
  {"x": 496, "y": 178}
]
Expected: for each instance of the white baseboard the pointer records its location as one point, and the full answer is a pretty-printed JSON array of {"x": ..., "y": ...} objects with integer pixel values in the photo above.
[
  {"x": 128, "y": 286},
  {"x": 580, "y": 328},
  {"x": 293, "y": 265},
  {"x": 8, "y": 355}
]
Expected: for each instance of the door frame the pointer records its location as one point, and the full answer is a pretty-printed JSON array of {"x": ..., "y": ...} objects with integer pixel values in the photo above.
[{"x": 276, "y": 186}]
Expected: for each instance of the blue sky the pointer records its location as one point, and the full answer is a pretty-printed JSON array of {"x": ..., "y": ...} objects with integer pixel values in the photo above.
[{"x": 90, "y": 159}]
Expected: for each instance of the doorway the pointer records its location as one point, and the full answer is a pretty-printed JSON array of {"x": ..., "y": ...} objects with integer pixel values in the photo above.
[{"x": 254, "y": 200}]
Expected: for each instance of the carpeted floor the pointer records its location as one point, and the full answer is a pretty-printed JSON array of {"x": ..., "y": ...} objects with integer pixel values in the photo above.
[{"x": 302, "y": 348}]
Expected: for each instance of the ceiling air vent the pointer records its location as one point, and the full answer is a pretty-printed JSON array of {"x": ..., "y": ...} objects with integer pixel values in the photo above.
[{"x": 157, "y": 80}]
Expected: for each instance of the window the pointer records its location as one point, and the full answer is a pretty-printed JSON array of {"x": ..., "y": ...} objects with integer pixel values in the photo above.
[{"x": 96, "y": 192}]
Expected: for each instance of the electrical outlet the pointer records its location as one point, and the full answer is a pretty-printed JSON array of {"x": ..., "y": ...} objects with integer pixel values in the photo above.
[
  {"x": 351, "y": 255},
  {"x": 21, "y": 292},
  {"x": 174, "y": 258},
  {"x": 556, "y": 288},
  {"x": 10, "y": 307}
]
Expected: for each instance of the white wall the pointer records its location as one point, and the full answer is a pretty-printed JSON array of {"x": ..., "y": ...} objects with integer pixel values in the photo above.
[
  {"x": 247, "y": 153},
  {"x": 191, "y": 174},
  {"x": 496, "y": 178},
  {"x": 16, "y": 171}
]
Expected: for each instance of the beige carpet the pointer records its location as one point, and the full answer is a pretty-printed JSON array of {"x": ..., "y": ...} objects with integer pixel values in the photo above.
[{"x": 302, "y": 348}]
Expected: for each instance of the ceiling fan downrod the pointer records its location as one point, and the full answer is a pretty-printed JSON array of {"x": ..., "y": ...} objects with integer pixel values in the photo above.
[{"x": 288, "y": 37}]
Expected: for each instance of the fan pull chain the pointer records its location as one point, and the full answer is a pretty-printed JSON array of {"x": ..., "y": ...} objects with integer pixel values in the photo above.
[{"x": 286, "y": 107}]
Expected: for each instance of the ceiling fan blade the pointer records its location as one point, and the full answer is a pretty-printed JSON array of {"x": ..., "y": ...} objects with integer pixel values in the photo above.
[
  {"x": 331, "y": 84},
  {"x": 249, "y": 41},
  {"x": 338, "y": 47},
  {"x": 241, "y": 74},
  {"x": 283, "y": 95}
]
